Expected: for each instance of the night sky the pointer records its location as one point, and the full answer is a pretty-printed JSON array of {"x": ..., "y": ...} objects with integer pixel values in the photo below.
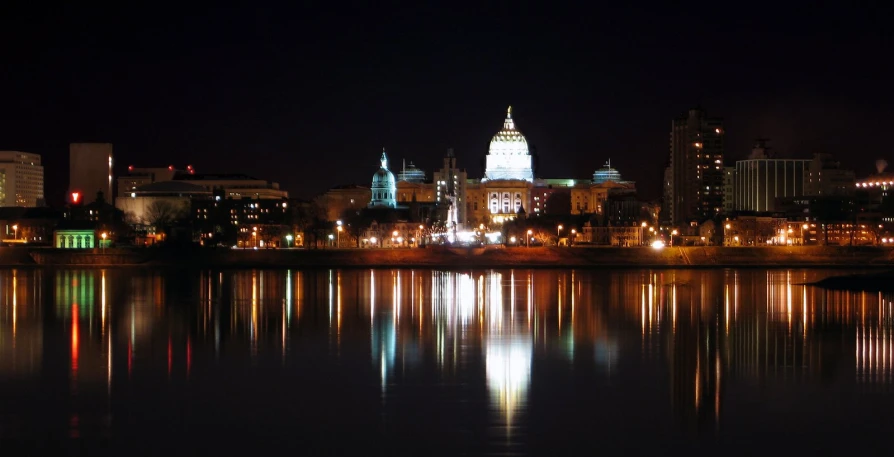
[{"x": 308, "y": 96}]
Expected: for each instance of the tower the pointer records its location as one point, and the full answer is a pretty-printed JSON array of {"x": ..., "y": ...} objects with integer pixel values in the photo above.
[{"x": 696, "y": 162}]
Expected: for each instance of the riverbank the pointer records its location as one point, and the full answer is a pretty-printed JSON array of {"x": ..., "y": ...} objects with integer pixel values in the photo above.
[{"x": 440, "y": 257}]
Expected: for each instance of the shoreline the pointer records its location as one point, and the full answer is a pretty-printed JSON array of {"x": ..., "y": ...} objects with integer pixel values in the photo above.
[{"x": 689, "y": 257}]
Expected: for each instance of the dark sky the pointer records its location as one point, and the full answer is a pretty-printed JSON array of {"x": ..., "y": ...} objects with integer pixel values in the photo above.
[{"x": 308, "y": 96}]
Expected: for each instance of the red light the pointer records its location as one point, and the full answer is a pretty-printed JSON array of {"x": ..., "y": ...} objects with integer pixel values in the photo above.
[
  {"x": 130, "y": 168},
  {"x": 75, "y": 197},
  {"x": 189, "y": 167},
  {"x": 170, "y": 167}
]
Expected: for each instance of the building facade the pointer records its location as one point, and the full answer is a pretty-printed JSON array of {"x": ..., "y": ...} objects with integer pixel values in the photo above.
[
  {"x": 729, "y": 189},
  {"x": 90, "y": 169},
  {"x": 21, "y": 179},
  {"x": 761, "y": 182},
  {"x": 825, "y": 177},
  {"x": 696, "y": 160}
]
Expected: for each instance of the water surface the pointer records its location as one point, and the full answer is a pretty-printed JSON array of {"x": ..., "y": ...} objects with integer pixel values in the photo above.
[{"x": 424, "y": 362}]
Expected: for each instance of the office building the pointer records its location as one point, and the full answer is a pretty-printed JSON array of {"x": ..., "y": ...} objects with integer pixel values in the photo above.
[
  {"x": 21, "y": 179},
  {"x": 761, "y": 180},
  {"x": 90, "y": 170}
]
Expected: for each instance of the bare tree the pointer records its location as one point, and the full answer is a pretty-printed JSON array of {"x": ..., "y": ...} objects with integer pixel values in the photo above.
[{"x": 160, "y": 214}]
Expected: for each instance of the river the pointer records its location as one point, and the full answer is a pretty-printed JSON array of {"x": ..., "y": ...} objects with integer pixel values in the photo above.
[{"x": 429, "y": 362}]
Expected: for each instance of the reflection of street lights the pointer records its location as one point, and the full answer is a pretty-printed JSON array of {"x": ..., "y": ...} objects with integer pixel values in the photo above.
[
  {"x": 528, "y": 238},
  {"x": 15, "y": 231}
]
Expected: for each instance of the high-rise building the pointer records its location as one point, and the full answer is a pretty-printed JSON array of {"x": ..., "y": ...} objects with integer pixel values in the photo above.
[
  {"x": 90, "y": 170},
  {"x": 21, "y": 179},
  {"x": 729, "y": 189},
  {"x": 762, "y": 179},
  {"x": 696, "y": 158}
]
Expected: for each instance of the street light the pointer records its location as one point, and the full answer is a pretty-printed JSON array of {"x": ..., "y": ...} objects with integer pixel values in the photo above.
[
  {"x": 642, "y": 234},
  {"x": 338, "y": 239},
  {"x": 558, "y": 233},
  {"x": 15, "y": 231},
  {"x": 673, "y": 232},
  {"x": 254, "y": 236},
  {"x": 103, "y": 245},
  {"x": 331, "y": 237},
  {"x": 528, "y": 238},
  {"x": 573, "y": 234},
  {"x": 804, "y": 227},
  {"x": 289, "y": 241}
]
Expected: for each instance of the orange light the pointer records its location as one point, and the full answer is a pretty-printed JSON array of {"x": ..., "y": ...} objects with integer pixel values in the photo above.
[{"x": 75, "y": 197}]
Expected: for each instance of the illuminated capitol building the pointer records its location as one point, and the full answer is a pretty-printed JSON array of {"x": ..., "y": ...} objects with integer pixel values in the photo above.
[{"x": 507, "y": 189}]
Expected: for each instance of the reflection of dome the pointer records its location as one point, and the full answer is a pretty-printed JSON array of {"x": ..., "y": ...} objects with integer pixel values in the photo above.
[
  {"x": 606, "y": 173},
  {"x": 384, "y": 187},
  {"x": 509, "y": 157}
]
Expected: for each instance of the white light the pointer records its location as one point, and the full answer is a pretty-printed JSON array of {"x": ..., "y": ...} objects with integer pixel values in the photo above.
[{"x": 658, "y": 244}]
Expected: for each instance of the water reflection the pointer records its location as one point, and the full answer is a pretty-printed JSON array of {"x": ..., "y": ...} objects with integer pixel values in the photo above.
[{"x": 483, "y": 339}]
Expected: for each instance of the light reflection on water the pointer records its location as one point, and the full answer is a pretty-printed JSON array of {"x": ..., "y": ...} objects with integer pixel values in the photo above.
[{"x": 435, "y": 361}]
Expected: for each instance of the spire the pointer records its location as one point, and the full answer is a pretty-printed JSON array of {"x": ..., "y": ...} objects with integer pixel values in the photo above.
[
  {"x": 509, "y": 124},
  {"x": 384, "y": 160}
]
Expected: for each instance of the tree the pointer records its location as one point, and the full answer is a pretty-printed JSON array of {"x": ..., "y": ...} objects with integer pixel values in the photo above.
[{"x": 161, "y": 214}]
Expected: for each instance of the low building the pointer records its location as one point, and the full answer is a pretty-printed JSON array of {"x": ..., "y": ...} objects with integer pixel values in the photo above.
[{"x": 76, "y": 235}]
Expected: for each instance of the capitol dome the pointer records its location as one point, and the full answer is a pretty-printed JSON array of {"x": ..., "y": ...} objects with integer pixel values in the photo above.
[
  {"x": 508, "y": 157},
  {"x": 509, "y": 141},
  {"x": 384, "y": 186}
]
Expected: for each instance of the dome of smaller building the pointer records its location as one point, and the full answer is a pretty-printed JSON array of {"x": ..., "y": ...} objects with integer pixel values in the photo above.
[
  {"x": 384, "y": 186},
  {"x": 606, "y": 173},
  {"x": 411, "y": 174}
]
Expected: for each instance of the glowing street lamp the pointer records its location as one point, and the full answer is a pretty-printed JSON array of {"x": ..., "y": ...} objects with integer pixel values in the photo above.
[
  {"x": 573, "y": 235},
  {"x": 15, "y": 231},
  {"x": 528, "y": 239},
  {"x": 673, "y": 233},
  {"x": 103, "y": 245},
  {"x": 558, "y": 233},
  {"x": 288, "y": 240},
  {"x": 338, "y": 238}
]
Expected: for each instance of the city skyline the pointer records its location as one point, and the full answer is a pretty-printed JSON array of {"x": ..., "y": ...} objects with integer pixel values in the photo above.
[{"x": 281, "y": 90}]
